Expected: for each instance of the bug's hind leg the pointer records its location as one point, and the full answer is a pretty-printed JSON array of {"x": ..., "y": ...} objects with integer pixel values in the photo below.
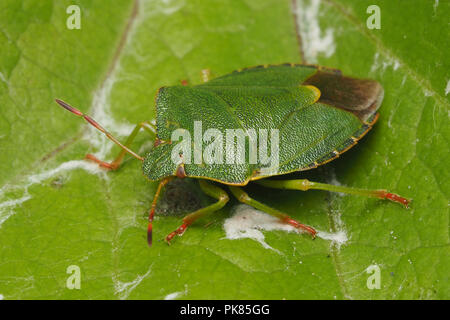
[
  {"x": 147, "y": 126},
  {"x": 243, "y": 197},
  {"x": 212, "y": 191},
  {"x": 304, "y": 185}
]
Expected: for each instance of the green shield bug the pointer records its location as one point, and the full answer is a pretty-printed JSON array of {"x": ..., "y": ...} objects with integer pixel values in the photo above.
[{"x": 306, "y": 115}]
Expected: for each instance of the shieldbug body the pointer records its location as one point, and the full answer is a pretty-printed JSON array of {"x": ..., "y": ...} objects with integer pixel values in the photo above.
[{"x": 306, "y": 115}]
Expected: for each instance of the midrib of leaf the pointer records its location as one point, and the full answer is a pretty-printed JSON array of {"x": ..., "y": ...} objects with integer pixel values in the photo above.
[
  {"x": 333, "y": 249},
  {"x": 421, "y": 82}
]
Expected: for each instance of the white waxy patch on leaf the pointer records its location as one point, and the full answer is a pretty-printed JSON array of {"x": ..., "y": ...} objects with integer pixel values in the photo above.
[
  {"x": 338, "y": 238},
  {"x": 174, "y": 295},
  {"x": 382, "y": 63},
  {"x": 435, "y": 5},
  {"x": 123, "y": 289},
  {"x": 314, "y": 41},
  {"x": 247, "y": 222},
  {"x": 7, "y": 204},
  {"x": 100, "y": 111}
]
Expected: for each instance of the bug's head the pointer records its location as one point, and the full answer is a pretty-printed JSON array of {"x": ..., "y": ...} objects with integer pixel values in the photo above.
[{"x": 158, "y": 163}]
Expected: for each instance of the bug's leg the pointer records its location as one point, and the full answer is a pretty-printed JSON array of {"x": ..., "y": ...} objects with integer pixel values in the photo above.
[
  {"x": 243, "y": 197},
  {"x": 212, "y": 191},
  {"x": 161, "y": 185},
  {"x": 96, "y": 125},
  {"x": 147, "y": 126},
  {"x": 304, "y": 185}
]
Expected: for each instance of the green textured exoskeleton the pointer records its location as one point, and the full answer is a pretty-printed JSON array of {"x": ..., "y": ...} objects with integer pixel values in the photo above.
[{"x": 252, "y": 124}]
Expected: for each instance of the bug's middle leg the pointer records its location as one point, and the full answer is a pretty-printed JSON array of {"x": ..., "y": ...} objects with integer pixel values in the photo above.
[
  {"x": 243, "y": 197},
  {"x": 212, "y": 191}
]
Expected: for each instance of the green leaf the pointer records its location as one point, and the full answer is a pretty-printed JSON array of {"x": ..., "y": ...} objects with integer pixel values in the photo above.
[{"x": 57, "y": 210}]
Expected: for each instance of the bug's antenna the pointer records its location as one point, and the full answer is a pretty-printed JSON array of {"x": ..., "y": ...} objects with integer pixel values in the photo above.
[{"x": 97, "y": 126}]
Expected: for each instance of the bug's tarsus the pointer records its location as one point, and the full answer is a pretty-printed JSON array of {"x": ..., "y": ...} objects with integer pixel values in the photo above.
[
  {"x": 211, "y": 190},
  {"x": 383, "y": 194},
  {"x": 302, "y": 226},
  {"x": 96, "y": 125},
  {"x": 304, "y": 185},
  {"x": 179, "y": 231}
]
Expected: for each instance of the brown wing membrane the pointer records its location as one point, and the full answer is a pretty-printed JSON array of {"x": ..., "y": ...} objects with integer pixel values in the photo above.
[{"x": 360, "y": 96}]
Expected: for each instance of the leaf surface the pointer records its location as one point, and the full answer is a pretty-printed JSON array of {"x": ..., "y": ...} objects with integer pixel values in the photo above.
[{"x": 56, "y": 210}]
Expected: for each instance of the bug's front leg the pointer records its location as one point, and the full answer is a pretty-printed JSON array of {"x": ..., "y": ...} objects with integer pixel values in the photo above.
[
  {"x": 243, "y": 197},
  {"x": 151, "y": 214},
  {"x": 212, "y": 191},
  {"x": 115, "y": 164}
]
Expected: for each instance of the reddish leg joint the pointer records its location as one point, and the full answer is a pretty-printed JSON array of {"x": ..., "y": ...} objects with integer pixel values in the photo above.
[
  {"x": 383, "y": 194},
  {"x": 103, "y": 164},
  {"x": 181, "y": 229},
  {"x": 150, "y": 226},
  {"x": 299, "y": 225},
  {"x": 69, "y": 108},
  {"x": 152, "y": 210}
]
